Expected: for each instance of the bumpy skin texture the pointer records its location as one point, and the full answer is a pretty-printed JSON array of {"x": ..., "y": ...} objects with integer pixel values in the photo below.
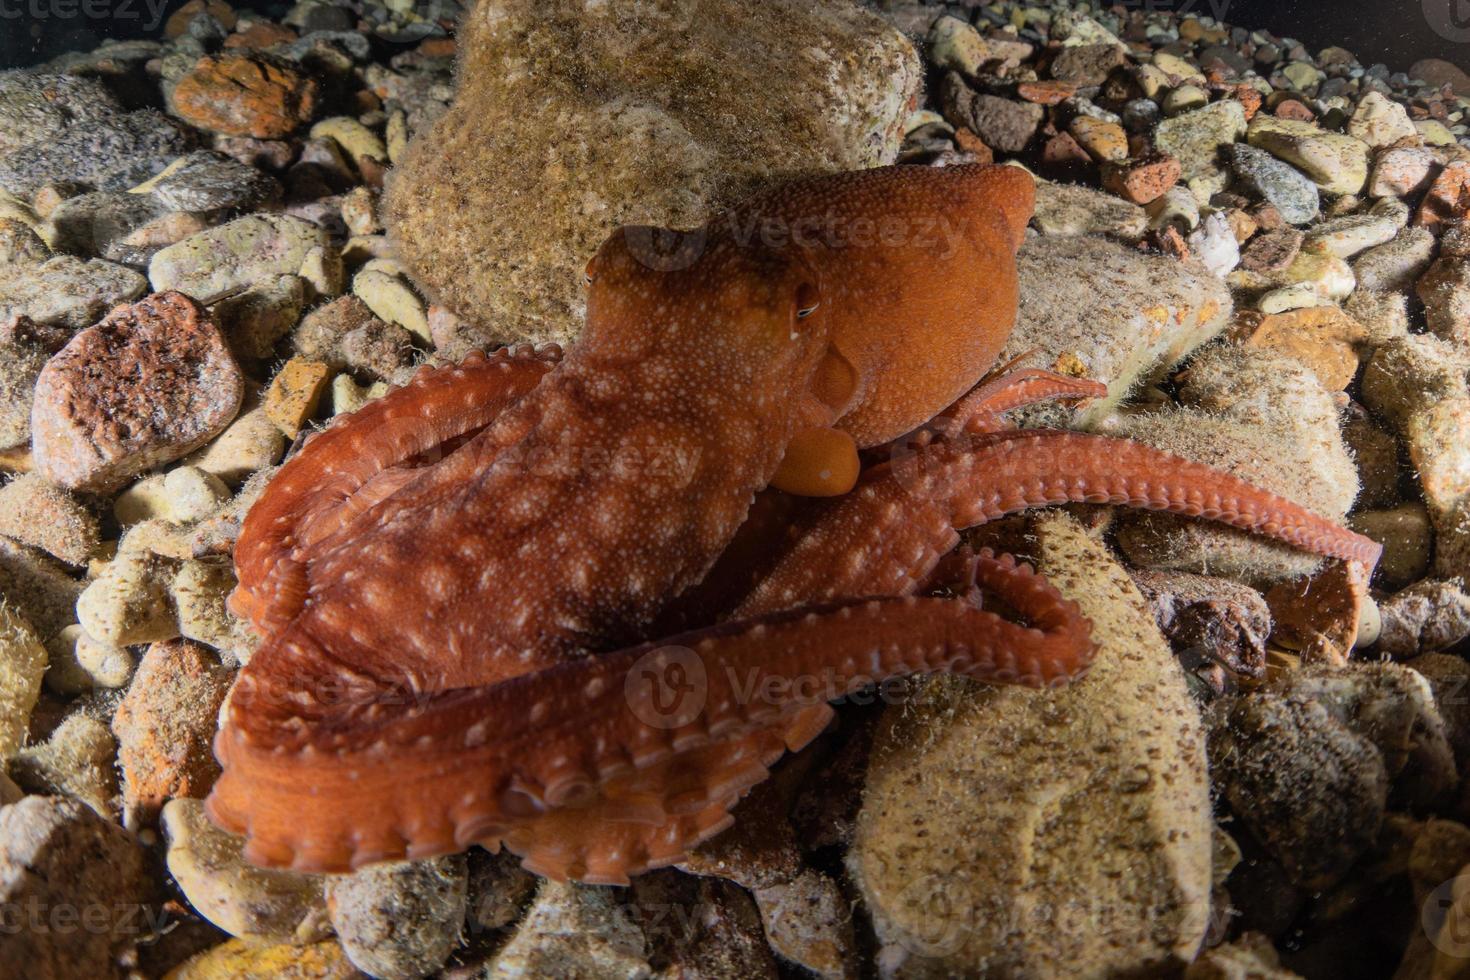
[{"x": 459, "y": 585}]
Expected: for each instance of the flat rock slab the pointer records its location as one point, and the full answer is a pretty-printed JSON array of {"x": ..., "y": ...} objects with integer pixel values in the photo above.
[
  {"x": 1110, "y": 313},
  {"x": 151, "y": 383},
  {"x": 658, "y": 117},
  {"x": 1013, "y": 832}
]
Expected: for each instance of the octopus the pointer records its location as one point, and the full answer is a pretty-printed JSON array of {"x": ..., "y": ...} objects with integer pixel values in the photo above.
[{"x": 577, "y": 604}]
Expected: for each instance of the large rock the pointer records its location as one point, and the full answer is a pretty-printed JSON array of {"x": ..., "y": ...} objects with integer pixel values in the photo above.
[
  {"x": 574, "y": 118},
  {"x": 1013, "y": 832},
  {"x": 72, "y": 885},
  {"x": 150, "y": 383},
  {"x": 1119, "y": 315}
]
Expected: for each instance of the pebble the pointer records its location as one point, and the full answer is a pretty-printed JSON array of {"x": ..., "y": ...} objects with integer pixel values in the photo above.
[
  {"x": 127, "y": 602},
  {"x": 1402, "y": 171},
  {"x": 1176, "y": 208},
  {"x": 1348, "y": 235},
  {"x": 255, "y": 319},
  {"x": 1143, "y": 180},
  {"x": 1379, "y": 121},
  {"x": 1272, "y": 251},
  {"x": 117, "y": 226},
  {"x": 1105, "y": 142},
  {"x": 1430, "y": 615},
  {"x": 150, "y": 383},
  {"x": 347, "y": 336},
  {"x": 1445, "y": 292},
  {"x": 237, "y": 959},
  {"x": 248, "y": 445},
  {"x": 1407, "y": 538},
  {"x": 1281, "y": 185},
  {"x": 1088, "y": 64},
  {"x": 1384, "y": 315},
  {"x": 40, "y": 588},
  {"x": 75, "y": 761},
  {"x": 1196, "y": 138},
  {"x": 81, "y": 663},
  {"x": 295, "y": 392},
  {"x": 1324, "y": 338},
  {"x": 393, "y": 300},
  {"x": 243, "y": 93},
  {"x": 39, "y": 514},
  {"x": 1003, "y": 125},
  {"x": 399, "y": 920},
  {"x": 66, "y": 291},
  {"x": 199, "y": 592},
  {"x": 1214, "y": 244},
  {"x": 21, "y": 668},
  {"x": 58, "y": 859},
  {"x": 108, "y": 153},
  {"x": 1210, "y": 622},
  {"x": 36, "y": 106},
  {"x": 1122, "y": 874},
  {"x": 1447, "y": 198},
  {"x": 165, "y": 727},
  {"x": 1396, "y": 265},
  {"x": 608, "y": 943},
  {"x": 209, "y": 181},
  {"x": 1124, "y": 316},
  {"x": 1338, "y": 164},
  {"x": 233, "y": 257},
  {"x": 256, "y": 904},
  {"x": 954, "y": 44}
]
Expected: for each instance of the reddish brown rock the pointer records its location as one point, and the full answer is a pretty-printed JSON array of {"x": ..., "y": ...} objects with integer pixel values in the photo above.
[
  {"x": 261, "y": 34},
  {"x": 1271, "y": 251},
  {"x": 1143, "y": 180},
  {"x": 150, "y": 383},
  {"x": 245, "y": 94},
  {"x": 1438, "y": 72},
  {"x": 1448, "y": 198},
  {"x": 1049, "y": 92},
  {"x": 165, "y": 726},
  {"x": 178, "y": 22},
  {"x": 968, "y": 142}
]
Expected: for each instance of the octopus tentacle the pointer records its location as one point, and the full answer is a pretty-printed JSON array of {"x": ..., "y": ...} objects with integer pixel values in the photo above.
[
  {"x": 525, "y": 753},
  {"x": 317, "y": 489},
  {"x": 978, "y": 410},
  {"x": 886, "y": 536}
]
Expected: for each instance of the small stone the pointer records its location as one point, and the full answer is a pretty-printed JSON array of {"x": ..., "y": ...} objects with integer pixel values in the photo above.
[
  {"x": 1445, "y": 292},
  {"x": 1173, "y": 66},
  {"x": 1071, "y": 209},
  {"x": 1003, "y": 125},
  {"x": 1287, "y": 189},
  {"x": 608, "y": 943},
  {"x": 497, "y": 890},
  {"x": 41, "y": 589},
  {"x": 1435, "y": 133},
  {"x": 1319, "y": 616},
  {"x": 1437, "y": 72},
  {"x": 199, "y": 592},
  {"x": 254, "y": 320},
  {"x": 1379, "y": 121},
  {"x": 1338, "y": 164},
  {"x": 1348, "y": 235},
  {"x": 360, "y": 211},
  {"x": 1396, "y": 265},
  {"x": 1214, "y": 245},
  {"x": 231, "y": 258},
  {"x": 165, "y": 726},
  {"x": 1185, "y": 98},
  {"x": 36, "y": 106},
  {"x": 355, "y": 139},
  {"x": 45, "y": 516},
  {"x": 127, "y": 602},
  {"x": 1324, "y": 338},
  {"x": 1143, "y": 180},
  {"x": 1384, "y": 315},
  {"x": 238, "y": 958},
  {"x": 22, "y": 665},
  {"x": 1210, "y": 622},
  {"x": 1088, "y": 64},
  {"x": 1104, "y": 141},
  {"x": 108, "y": 153},
  {"x": 294, "y": 393},
  {"x": 391, "y": 298},
  {"x": 1407, "y": 538},
  {"x": 209, "y": 181},
  {"x": 1196, "y": 138},
  {"x": 1251, "y": 956},
  {"x": 148, "y": 384},
  {"x": 1448, "y": 198},
  {"x": 76, "y": 761},
  {"x": 249, "y": 444},
  {"x": 1046, "y": 91},
  {"x": 1427, "y": 616},
  {"x": 1176, "y": 209},
  {"x": 66, "y": 291},
  {"x": 247, "y": 902},
  {"x": 1272, "y": 251},
  {"x": 401, "y": 919},
  {"x": 243, "y": 93},
  {"x": 954, "y": 44},
  {"x": 1401, "y": 171},
  {"x": 58, "y": 854},
  {"x": 81, "y": 663},
  {"x": 1376, "y": 453}
]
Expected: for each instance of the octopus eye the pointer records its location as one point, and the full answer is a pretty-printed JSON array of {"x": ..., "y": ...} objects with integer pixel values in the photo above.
[
  {"x": 806, "y": 300},
  {"x": 588, "y": 273}
]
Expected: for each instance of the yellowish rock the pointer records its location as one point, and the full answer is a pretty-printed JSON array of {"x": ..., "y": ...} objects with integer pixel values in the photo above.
[
  {"x": 291, "y": 400},
  {"x": 1324, "y": 338},
  {"x": 128, "y": 602},
  {"x": 1104, "y": 141},
  {"x": 260, "y": 905},
  {"x": 1337, "y": 163},
  {"x": 239, "y": 960},
  {"x": 1012, "y": 832},
  {"x": 355, "y": 139},
  {"x": 22, "y": 664},
  {"x": 391, "y": 298}
]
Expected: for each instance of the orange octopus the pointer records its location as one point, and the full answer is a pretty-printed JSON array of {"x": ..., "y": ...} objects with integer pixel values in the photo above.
[{"x": 467, "y": 588}]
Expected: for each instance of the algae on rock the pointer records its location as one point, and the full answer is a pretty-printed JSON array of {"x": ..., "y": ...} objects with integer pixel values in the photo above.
[{"x": 571, "y": 119}]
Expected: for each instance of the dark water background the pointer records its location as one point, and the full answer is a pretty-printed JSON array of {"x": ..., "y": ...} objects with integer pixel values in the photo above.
[{"x": 1395, "y": 32}]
